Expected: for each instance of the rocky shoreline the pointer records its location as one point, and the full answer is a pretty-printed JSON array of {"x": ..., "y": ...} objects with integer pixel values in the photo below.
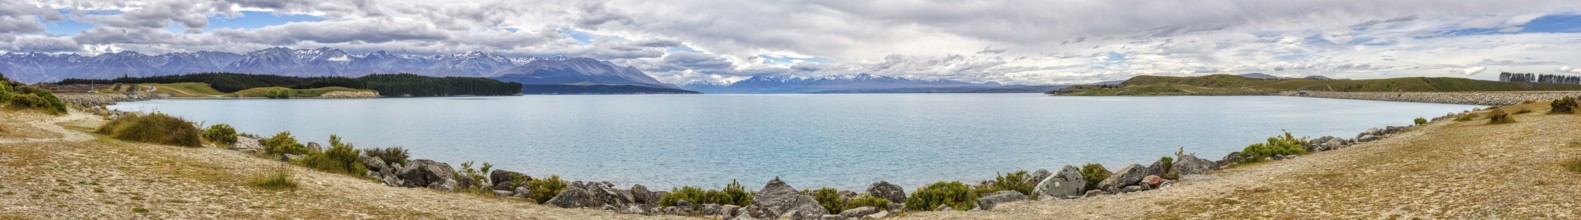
[
  {"x": 777, "y": 199},
  {"x": 1467, "y": 98}
]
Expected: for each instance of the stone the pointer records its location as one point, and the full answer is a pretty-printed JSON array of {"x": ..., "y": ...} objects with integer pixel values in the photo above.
[
  {"x": 1066, "y": 184},
  {"x": 878, "y": 215},
  {"x": 503, "y": 179},
  {"x": 313, "y": 146},
  {"x": 1366, "y": 138},
  {"x": 574, "y": 197},
  {"x": 989, "y": 201},
  {"x": 1152, "y": 180},
  {"x": 1095, "y": 192},
  {"x": 248, "y": 145},
  {"x": 427, "y": 173},
  {"x": 636, "y": 210},
  {"x": 1157, "y": 168},
  {"x": 829, "y": 217},
  {"x": 1133, "y": 188},
  {"x": 1232, "y": 158},
  {"x": 1190, "y": 164},
  {"x": 943, "y": 207},
  {"x": 1278, "y": 157},
  {"x": 846, "y": 195},
  {"x": 710, "y": 209},
  {"x": 1039, "y": 176},
  {"x": 729, "y": 211},
  {"x": 858, "y": 212},
  {"x": 521, "y": 191},
  {"x": 779, "y": 199},
  {"x": 888, "y": 191},
  {"x": 374, "y": 163},
  {"x": 1129, "y": 175},
  {"x": 640, "y": 194}
]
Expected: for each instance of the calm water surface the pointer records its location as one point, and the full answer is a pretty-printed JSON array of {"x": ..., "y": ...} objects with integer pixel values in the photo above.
[{"x": 835, "y": 140}]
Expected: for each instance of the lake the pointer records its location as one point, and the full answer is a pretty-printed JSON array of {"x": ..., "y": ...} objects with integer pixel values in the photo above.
[{"x": 845, "y": 141}]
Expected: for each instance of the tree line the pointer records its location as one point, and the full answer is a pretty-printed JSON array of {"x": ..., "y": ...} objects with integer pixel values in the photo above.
[
  {"x": 1536, "y": 78},
  {"x": 404, "y": 84}
]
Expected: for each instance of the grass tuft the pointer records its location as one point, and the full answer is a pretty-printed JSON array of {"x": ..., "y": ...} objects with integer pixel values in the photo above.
[
  {"x": 1498, "y": 116},
  {"x": 1574, "y": 165},
  {"x": 954, "y": 194},
  {"x": 277, "y": 179},
  {"x": 157, "y": 128}
]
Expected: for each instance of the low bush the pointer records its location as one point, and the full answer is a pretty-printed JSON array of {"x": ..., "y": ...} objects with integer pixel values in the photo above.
[
  {"x": 1169, "y": 162},
  {"x": 157, "y": 128},
  {"x": 1566, "y": 105},
  {"x": 283, "y": 143},
  {"x": 478, "y": 177},
  {"x": 1466, "y": 117},
  {"x": 277, "y": 179},
  {"x": 339, "y": 158},
  {"x": 277, "y": 93},
  {"x": 868, "y": 201},
  {"x": 732, "y": 194},
  {"x": 1278, "y": 145},
  {"x": 543, "y": 189},
  {"x": 1420, "y": 121},
  {"x": 1093, "y": 173},
  {"x": 829, "y": 198},
  {"x": 954, "y": 194},
  {"x": 220, "y": 133},
  {"x": 392, "y": 155},
  {"x": 18, "y": 96},
  {"x": 1014, "y": 181},
  {"x": 1498, "y": 116}
]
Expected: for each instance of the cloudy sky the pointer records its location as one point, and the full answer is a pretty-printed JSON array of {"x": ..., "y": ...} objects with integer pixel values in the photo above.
[{"x": 1013, "y": 41}]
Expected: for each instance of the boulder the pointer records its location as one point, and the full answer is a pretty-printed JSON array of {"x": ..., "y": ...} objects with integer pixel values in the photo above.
[
  {"x": 427, "y": 173},
  {"x": 1232, "y": 158},
  {"x": 846, "y": 195},
  {"x": 247, "y": 145},
  {"x": 374, "y": 163},
  {"x": 888, "y": 191},
  {"x": 503, "y": 179},
  {"x": 1039, "y": 176},
  {"x": 1134, "y": 188},
  {"x": 729, "y": 211},
  {"x": 1152, "y": 181},
  {"x": 1130, "y": 175},
  {"x": 829, "y": 217},
  {"x": 573, "y": 197},
  {"x": 1366, "y": 138},
  {"x": 1066, "y": 184},
  {"x": 1189, "y": 164},
  {"x": 1157, "y": 168},
  {"x": 858, "y": 212},
  {"x": 710, "y": 209},
  {"x": 521, "y": 191},
  {"x": 503, "y": 193},
  {"x": 313, "y": 146},
  {"x": 1095, "y": 192},
  {"x": 943, "y": 207},
  {"x": 989, "y": 201},
  {"x": 779, "y": 199},
  {"x": 641, "y": 195}
]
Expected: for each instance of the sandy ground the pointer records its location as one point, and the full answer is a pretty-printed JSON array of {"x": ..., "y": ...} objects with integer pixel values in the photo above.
[
  {"x": 1446, "y": 169},
  {"x": 83, "y": 176}
]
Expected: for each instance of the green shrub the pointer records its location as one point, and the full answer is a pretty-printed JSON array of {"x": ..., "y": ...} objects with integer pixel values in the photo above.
[
  {"x": 392, "y": 155},
  {"x": 1420, "y": 121},
  {"x": 1566, "y": 105},
  {"x": 1277, "y": 145},
  {"x": 1169, "y": 162},
  {"x": 733, "y": 194},
  {"x": 1093, "y": 173},
  {"x": 276, "y": 179},
  {"x": 868, "y": 201},
  {"x": 1498, "y": 116},
  {"x": 220, "y": 133},
  {"x": 1014, "y": 181},
  {"x": 157, "y": 128},
  {"x": 339, "y": 158},
  {"x": 954, "y": 194},
  {"x": 541, "y": 190},
  {"x": 277, "y": 93},
  {"x": 827, "y": 197},
  {"x": 479, "y": 177},
  {"x": 283, "y": 143}
]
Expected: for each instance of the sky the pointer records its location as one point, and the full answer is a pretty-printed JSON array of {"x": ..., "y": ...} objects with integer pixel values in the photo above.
[{"x": 722, "y": 41}]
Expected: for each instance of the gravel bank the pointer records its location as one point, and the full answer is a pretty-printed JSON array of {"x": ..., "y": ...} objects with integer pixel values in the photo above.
[{"x": 1469, "y": 98}]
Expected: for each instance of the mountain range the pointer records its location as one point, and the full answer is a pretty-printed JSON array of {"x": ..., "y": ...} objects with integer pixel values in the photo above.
[
  {"x": 43, "y": 67},
  {"x": 859, "y": 83}
]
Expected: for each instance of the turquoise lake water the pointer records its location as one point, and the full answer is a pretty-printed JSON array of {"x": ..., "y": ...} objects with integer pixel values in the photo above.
[{"x": 845, "y": 141}]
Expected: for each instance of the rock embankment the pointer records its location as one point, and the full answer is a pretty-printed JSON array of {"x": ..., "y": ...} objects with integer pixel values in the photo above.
[
  {"x": 350, "y": 94},
  {"x": 97, "y": 99},
  {"x": 1468, "y": 98}
]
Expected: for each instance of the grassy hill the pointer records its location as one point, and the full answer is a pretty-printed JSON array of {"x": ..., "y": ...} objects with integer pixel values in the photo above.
[
  {"x": 1237, "y": 85},
  {"x": 203, "y": 90}
]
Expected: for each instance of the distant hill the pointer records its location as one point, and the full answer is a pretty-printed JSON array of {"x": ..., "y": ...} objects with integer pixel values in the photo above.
[
  {"x": 599, "y": 89},
  {"x": 859, "y": 83},
  {"x": 1238, "y": 85},
  {"x": 1259, "y": 76}
]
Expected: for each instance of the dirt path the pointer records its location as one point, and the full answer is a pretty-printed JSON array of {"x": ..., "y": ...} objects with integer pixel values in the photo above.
[{"x": 52, "y": 126}]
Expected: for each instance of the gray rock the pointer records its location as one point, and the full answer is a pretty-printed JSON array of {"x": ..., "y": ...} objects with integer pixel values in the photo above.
[
  {"x": 858, "y": 212},
  {"x": 1232, "y": 158},
  {"x": 943, "y": 207},
  {"x": 427, "y": 173},
  {"x": 1095, "y": 192},
  {"x": 882, "y": 189},
  {"x": 1039, "y": 176},
  {"x": 1134, "y": 188},
  {"x": 846, "y": 195},
  {"x": 374, "y": 164},
  {"x": 878, "y": 215},
  {"x": 313, "y": 146},
  {"x": 503, "y": 193},
  {"x": 1366, "y": 138},
  {"x": 247, "y": 145},
  {"x": 1066, "y": 184},
  {"x": 1157, "y": 168},
  {"x": 574, "y": 197},
  {"x": 1189, "y": 164},
  {"x": 729, "y": 211},
  {"x": 1278, "y": 157},
  {"x": 640, "y": 194},
  {"x": 521, "y": 191},
  {"x": 779, "y": 199},
  {"x": 635, "y": 209},
  {"x": 989, "y": 201},
  {"x": 829, "y": 217},
  {"x": 1129, "y": 175},
  {"x": 710, "y": 209},
  {"x": 503, "y": 179}
]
